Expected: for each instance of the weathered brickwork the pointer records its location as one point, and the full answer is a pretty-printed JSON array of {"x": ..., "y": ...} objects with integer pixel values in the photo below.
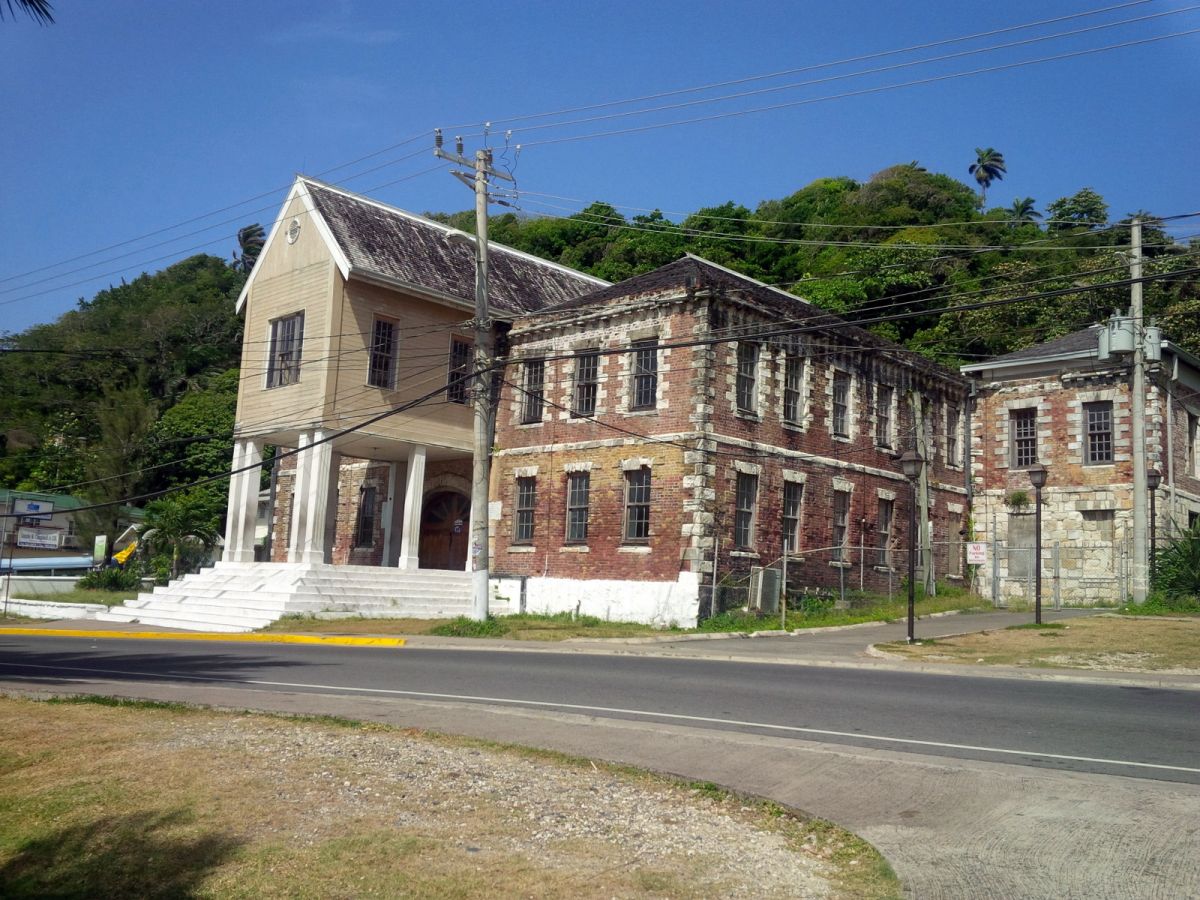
[
  {"x": 1087, "y": 502},
  {"x": 705, "y": 428}
]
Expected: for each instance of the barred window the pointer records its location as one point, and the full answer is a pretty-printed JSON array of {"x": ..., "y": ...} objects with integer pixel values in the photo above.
[
  {"x": 364, "y": 526},
  {"x": 841, "y": 524},
  {"x": 526, "y": 502},
  {"x": 287, "y": 339},
  {"x": 1023, "y": 437},
  {"x": 587, "y": 378},
  {"x": 645, "y": 374},
  {"x": 381, "y": 369},
  {"x": 883, "y": 531},
  {"x": 841, "y": 404},
  {"x": 743, "y": 522},
  {"x": 578, "y": 486},
  {"x": 533, "y": 390},
  {"x": 793, "y": 385},
  {"x": 637, "y": 505},
  {"x": 884, "y": 394},
  {"x": 747, "y": 376},
  {"x": 1098, "y": 422},
  {"x": 459, "y": 376},
  {"x": 793, "y": 497}
]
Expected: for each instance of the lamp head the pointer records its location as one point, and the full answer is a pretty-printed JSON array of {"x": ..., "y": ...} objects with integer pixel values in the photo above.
[
  {"x": 1153, "y": 479},
  {"x": 1037, "y": 475},
  {"x": 911, "y": 463}
]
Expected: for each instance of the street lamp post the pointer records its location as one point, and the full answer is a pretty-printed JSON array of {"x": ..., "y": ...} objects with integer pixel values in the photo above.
[
  {"x": 1153, "y": 480},
  {"x": 911, "y": 463},
  {"x": 1037, "y": 477}
]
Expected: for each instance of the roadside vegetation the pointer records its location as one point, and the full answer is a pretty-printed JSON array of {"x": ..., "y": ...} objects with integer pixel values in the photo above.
[
  {"x": 248, "y": 805},
  {"x": 1105, "y": 642}
]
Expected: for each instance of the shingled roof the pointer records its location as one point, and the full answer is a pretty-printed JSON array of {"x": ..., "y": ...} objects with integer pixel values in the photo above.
[
  {"x": 1076, "y": 342},
  {"x": 382, "y": 241},
  {"x": 694, "y": 273}
]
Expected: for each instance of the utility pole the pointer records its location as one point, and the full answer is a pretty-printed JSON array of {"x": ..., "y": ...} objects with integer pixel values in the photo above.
[
  {"x": 483, "y": 425},
  {"x": 1138, "y": 411}
]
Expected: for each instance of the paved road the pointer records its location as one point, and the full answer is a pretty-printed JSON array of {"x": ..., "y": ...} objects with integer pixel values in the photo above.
[{"x": 971, "y": 786}]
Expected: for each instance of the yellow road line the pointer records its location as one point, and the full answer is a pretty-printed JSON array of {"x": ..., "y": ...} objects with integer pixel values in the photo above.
[{"x": 337, "y": 640}]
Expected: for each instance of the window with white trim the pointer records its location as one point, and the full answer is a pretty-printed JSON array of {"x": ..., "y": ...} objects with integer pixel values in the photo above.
[
  {"x": 840, "y": 423},
  {"x": 883, "y": 531},
  {"x": 841, "y": 524},
  {"x": 953, "y": 428},
  {"x": 1022, "y": 426},
  {"x": 793, "y": 387},
  {"x": 644, "y": 387},
  {"x": 458, "y": 380},
  {"x": 884, "y": 394},
  {"x": 533, "y": 391},
  {"x": 1193, "y": 432},
  {"x": 1098, "y": 433},
  {"x": 587, "y": 380},
  {"x": 524, "y": 508},
  {"x": 287, "y": 339},
  {"x": 743, "y": 521},
  {"x": 793, "y": 498},
  {"x": 747, "y": 377},
  {"x": 381, "y": 367},
  {"x": 578, "y": 487},
  {"x": 637, "y": 506}
]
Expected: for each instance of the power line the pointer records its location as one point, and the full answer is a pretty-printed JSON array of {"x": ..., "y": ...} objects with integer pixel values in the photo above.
[{"x": 861, "y": 92}]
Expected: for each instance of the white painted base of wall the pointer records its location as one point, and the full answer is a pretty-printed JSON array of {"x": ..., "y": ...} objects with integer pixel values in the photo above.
[
  {"x": 662, "y": 603},
  {"x": 49, "y": 609}
]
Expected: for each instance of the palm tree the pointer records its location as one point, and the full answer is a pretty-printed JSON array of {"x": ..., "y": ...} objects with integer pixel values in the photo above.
[
  {"x": 988, "y": 167},
  {"x": 1022, "y": 211},
  {"x": 175, "y": 523},
  {"x": 38, "y": 10},
  {"x": 250, "y": 240}
]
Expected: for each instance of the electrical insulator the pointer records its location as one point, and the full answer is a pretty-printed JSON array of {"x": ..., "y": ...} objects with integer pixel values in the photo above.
[
  {"x": 458, "y": 145},
  {"x": 437, "y": 138}
]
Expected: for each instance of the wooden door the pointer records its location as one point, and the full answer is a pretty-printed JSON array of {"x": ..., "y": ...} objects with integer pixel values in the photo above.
[{"x": 445, "y": 531}]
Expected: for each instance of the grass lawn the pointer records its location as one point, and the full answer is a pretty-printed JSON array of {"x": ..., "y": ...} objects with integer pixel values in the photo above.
[
  {"x": 1108, "y": 642},
  {"x": 561, "y": 626},
  {"x": 125, "y": 799}
]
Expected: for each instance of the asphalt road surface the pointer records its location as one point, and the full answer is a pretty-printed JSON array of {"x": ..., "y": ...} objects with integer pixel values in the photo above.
[{"x": 972, "y": 787}]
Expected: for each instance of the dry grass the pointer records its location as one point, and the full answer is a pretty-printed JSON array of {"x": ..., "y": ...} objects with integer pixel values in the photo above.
[
  {"x": 1107, "y": 642},
  {"x": 162, "y": 801}
]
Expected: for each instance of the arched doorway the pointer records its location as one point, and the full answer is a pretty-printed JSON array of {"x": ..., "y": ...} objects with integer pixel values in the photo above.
[{"x": 445, "y": 531}]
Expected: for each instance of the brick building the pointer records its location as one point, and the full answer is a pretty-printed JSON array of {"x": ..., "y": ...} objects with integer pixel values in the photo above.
[
  {"x": 692, "y": 415},
  {"x": 1063, "y": 405}
]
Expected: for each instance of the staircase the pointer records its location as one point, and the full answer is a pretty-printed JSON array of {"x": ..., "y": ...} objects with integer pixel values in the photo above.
[{"x": 237, "y": 597}]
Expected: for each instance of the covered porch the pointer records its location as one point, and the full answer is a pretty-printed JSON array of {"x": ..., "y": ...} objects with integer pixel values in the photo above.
[{"x": 357, "y": 499}]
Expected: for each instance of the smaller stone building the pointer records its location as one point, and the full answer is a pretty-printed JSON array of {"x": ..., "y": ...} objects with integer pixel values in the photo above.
[
  {"x": 1060, "y": 404},
  {"x": 692, "y": 422}
]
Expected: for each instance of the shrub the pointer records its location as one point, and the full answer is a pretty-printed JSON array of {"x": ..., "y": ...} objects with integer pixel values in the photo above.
[
  {"x": 129, "y": 579},
  {"x": 1177, "y": 567},
  {"x": 464, "y": 627}
]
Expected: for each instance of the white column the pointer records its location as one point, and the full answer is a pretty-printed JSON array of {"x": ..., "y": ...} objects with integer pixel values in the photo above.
[
  {"x": 299, "y": 518},
  {"x": 248, "y": 502},
  {"x": 387, "y": 514},
  {"x": 315, "y": 499},
  {"x": 233, "y": 517},
  {"x": 410, "y": 535}
]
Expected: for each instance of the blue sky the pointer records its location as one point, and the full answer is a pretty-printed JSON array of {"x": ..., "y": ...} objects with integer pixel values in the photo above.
[{"x": 126, "y": 118}]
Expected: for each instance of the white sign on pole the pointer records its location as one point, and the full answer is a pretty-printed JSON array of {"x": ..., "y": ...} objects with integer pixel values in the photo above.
[
  {"x": 100, "y": 549},
  {"x": 977, "y": 553}
]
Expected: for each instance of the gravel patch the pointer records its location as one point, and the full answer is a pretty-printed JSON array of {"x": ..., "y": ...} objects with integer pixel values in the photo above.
[{"x": 497, "y": 802}]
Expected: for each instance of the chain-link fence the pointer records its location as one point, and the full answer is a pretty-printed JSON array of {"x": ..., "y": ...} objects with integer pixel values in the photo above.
[{"x": 1074, "y": 573}]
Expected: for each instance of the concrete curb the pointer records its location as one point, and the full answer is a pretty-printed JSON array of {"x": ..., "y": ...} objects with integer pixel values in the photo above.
[{"x": 335, "y": 640}]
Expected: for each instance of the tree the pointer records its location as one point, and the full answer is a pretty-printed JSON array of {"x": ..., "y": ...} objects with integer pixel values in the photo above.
[
  {"x": 1022, "y": 211},
  {"x": 250, "y": 239},
  {"x": 988, "y": 167},
  {"x": 1084, "y": 208},
  {"x": 39, "y": 10},
  {"x": 176, "y": 523}
]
